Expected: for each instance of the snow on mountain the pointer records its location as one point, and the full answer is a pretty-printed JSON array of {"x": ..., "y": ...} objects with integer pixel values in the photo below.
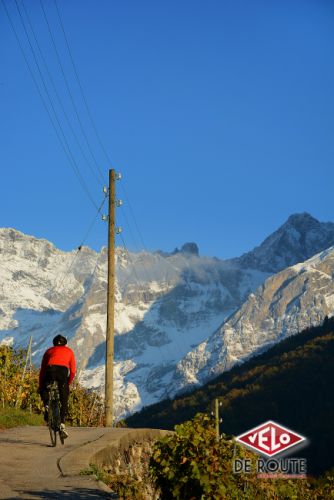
[
  {"x": 178, "y": 301},
  {"x": 38, "y": 284},
  {"x": 300, "y": 237},
  {"x": 167, "y": 306},
  {"x": 287, "y": 303}
]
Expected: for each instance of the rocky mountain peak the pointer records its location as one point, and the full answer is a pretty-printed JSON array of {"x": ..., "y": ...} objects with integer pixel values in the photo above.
[
  {"x": 166, "y": 305},
  {"x": 302, "y": 222},
  {"x": 300, "y": 237},
  {"x": 191, "y": 248},
  {"x": 288, "y": 302}
]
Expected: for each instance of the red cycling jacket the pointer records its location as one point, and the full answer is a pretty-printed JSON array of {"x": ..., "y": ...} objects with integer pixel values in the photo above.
[{"x": 60, "y": 355}]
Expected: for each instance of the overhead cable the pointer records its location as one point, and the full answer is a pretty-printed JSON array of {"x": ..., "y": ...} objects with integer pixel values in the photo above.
[
  {"x": 80, "y": 86},
  {"x": 70, "y": 93},
  {"x": 140, "y": 285},
  {"x": 68, "y": 121},
  {"x": 81, "y": 244},
  {"x": 63, "y": 142},
  {"x": 103, "y": 148}
]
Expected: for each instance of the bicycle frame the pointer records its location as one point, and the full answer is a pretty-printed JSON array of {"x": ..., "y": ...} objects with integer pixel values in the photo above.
[{"x": 54, "y": 413}]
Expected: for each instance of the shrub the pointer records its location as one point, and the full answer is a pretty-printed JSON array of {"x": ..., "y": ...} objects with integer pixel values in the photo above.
[
  {"x": 86, "y": 407},
  {"x": 192, "y": 464}
]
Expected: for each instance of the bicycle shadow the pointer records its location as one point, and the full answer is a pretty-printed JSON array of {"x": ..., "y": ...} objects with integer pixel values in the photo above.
[{"x": 26, "y": 442}]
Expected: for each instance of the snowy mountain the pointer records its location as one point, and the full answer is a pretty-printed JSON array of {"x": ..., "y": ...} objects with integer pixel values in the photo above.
[
  {"x": 167, "y": 306},
  {"x": 295, "y": 241},
  {"x": 287, "y": 303}
]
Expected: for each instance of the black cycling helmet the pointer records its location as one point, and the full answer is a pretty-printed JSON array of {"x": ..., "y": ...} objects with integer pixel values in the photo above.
[{"x": 59, "y": 340}]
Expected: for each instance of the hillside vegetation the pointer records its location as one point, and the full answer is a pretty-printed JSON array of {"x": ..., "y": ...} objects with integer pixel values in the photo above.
[
  {"x": 19, "y": 395},
  {"x": 191, "y": 464},
  {"x": 14, "y": 417},
  {"x": 292, "y": 383}
]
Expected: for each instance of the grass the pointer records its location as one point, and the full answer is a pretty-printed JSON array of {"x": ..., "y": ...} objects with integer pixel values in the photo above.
[
  {"x": 94, "y": 470},
  {"x": 14, "y": 417}
]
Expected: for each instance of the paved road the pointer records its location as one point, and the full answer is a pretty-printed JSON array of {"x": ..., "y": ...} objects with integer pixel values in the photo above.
[{"x": 29, "y": 466}]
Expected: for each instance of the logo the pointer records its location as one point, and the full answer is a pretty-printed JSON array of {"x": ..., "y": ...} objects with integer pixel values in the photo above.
[{"x": 270, "y": 438}]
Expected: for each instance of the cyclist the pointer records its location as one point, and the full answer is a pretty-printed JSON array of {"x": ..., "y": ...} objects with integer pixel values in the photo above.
[{"x": 58, "y": 364}]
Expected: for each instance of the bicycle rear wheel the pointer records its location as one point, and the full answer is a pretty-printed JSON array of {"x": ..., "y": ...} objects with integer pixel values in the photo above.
[
  {"x": 54, "y": 420},
  {"x": 53, "y": 435}
]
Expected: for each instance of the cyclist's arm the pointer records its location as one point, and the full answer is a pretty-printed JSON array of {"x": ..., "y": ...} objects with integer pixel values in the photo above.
[
  {"x": 42, "y": 370},
  {"x": 72, "y": 369}
]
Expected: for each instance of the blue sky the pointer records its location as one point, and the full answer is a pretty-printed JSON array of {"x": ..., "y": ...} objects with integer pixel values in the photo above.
[{"x": 219, "y": 114}]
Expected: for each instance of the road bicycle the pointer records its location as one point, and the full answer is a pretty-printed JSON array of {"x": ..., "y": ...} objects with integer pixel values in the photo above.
[{"x": 54, "y": 414}]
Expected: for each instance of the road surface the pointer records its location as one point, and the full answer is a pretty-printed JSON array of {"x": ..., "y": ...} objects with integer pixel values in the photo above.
[{"x": 30, "y": 468}]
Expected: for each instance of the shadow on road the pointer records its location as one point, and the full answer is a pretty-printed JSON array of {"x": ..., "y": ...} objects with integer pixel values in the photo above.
[
  {"x": 90, "y": 494},
  {"x": 16, "y": 442}
]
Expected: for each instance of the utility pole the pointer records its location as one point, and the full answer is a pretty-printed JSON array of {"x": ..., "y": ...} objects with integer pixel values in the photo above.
[
  {"x": 109, "y": 380},
  {"x": 217, "y": 418},
  {"x": 28, "y": 357}
]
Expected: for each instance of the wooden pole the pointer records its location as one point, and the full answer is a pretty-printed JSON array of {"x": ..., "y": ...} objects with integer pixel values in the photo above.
[
  {"x": 30, "y": 372},
  {"x": 18, "y": 398},
  {"x": 217, "y": 418},
  {"x": 109, "y": 389}
]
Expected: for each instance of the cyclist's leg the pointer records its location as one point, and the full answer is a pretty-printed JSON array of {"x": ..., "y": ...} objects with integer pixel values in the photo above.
[
  {"x": 62, "y": 380},
  {"x": 63, "y": 395},
  {"x": 44, "y": 395},
  {"x": 45, "y": 392},
  {"x": 45, "y": 398}
]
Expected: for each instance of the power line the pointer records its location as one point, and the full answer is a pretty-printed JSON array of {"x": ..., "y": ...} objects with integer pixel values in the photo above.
[
  {"x": 94, "y": 220},
  {"x": 68, "y": 269},
  {"x": 89, "y": 113},
  {"x": 67, "y": 86},
  {"x": 51, "y": 102},
  {"x": 140, "y": 285},
  {"x": 81, "y": 88},
  {"x": 96, "y": 131},
  {"x": 57, "y": 93},
  {"x": 70, "y": 93},
  {"x": 91, "y": 277},
  {"x": 64, "y": 144},
  {"x": 140, "y": 234},
  {"x": 177, "y": 271},
  {"x": 83, "y": 241},
  {"x": 148, "y": 277},
  {"x": 133, "y": 216}
]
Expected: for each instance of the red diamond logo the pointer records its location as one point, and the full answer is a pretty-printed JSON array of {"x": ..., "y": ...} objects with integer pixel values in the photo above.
[{"x": 270, "y": 438}]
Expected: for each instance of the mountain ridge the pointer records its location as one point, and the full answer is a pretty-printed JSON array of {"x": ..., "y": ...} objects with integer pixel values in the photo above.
[
  {"x": 287, "y": 302},
  {"x": 300, "y": 237},
  {"x": 165, "y": 305},
  {"x": 291, "y": 383}
]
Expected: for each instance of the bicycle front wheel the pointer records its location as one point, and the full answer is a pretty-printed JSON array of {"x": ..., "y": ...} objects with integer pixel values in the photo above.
[
  {"x": 53, "y": 421},
  {"x": 53, "y": 434}
]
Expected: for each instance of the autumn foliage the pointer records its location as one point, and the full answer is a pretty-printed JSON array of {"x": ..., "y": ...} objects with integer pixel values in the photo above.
[
  {"x": 292, "y": 384},
  {"x": 192, "y": 464},
  {"x": 19, "y": 388}
]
